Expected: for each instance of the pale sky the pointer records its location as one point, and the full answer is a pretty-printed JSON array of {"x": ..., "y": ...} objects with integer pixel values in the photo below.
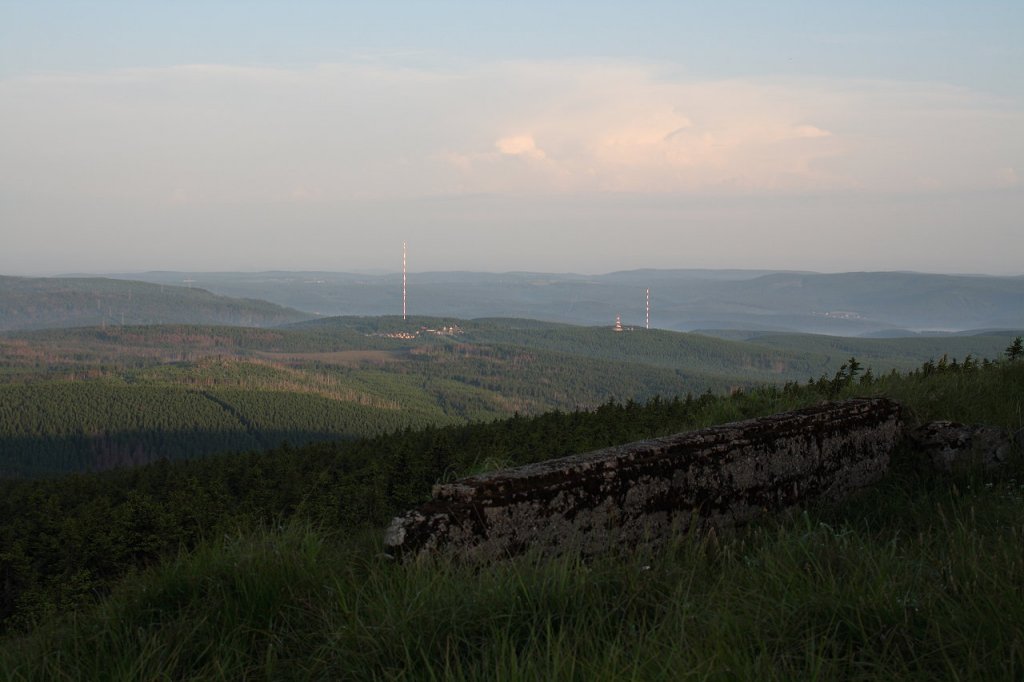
[{"x": 588, "y": 137}]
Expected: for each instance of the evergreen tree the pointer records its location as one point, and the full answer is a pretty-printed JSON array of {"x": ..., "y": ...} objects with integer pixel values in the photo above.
[{"x": 1015, "y": 349}]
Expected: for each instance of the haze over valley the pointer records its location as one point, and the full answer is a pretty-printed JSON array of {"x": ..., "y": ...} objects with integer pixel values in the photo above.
[{"x": 843, "y": 304}]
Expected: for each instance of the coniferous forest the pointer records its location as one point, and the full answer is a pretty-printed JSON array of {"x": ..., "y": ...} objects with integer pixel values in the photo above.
[{"x": 91, "y": 399}]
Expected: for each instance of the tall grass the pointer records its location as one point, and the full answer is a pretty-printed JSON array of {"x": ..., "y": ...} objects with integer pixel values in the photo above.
[{"x": 920, "y": 578}]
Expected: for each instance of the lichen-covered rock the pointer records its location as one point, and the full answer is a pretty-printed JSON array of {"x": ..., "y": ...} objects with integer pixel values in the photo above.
[
  {"x": 949, "y": 446},
  {"x": 635, "y": 493}
]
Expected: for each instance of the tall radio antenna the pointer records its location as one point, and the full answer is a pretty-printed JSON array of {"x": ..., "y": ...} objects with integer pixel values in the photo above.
[
  {"x": 648, "y": 308},
  {"x": 404, "y": 248}
]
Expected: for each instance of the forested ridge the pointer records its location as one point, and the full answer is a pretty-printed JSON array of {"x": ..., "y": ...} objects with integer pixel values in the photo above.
[
  {"x": 46, "y": 302},
  {"x": 94, "y": 398}
]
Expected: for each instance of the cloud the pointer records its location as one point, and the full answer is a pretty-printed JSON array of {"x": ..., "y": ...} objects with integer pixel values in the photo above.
[
  {"x": 1006, "y": 177},
  {"x": 226, "y": 134},
  {"x": 519, "y": 145},
  {"x": 810, "y": 131}
]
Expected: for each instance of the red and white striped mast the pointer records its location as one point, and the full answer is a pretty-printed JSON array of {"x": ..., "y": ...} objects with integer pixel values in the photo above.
[
  {"x": 404, "y": 248},
  {"x": 648, "y": 307}
]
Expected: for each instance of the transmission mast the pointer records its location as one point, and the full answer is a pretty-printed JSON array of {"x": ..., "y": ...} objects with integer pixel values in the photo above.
[
  {"x": 404, "y": 249},
  {"x": 648, "y": 308}
]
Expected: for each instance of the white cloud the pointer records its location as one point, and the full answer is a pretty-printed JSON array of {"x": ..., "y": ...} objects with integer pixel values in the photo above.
[
  {"x": 209, "y": 133},
  {"x": 519, "y": 145}
]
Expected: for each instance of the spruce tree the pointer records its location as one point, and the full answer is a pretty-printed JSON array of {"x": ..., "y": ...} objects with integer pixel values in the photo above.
[{"x": 1015, "y": 349}]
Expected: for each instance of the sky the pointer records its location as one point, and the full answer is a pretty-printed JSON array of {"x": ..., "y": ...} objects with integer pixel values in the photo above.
[{"x": 493, "y": 136}]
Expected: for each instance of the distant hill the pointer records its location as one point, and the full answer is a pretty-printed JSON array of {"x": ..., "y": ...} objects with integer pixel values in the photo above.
[
  {"x": 705, "y": 359},
  {"x": 846, "y": 304},
  {"x": 912, "y": 301},
  {"x": 45, "y": 303}
]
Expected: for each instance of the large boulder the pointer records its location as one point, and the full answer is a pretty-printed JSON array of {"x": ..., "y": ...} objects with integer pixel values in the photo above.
[{"x": 641, "y": 492}]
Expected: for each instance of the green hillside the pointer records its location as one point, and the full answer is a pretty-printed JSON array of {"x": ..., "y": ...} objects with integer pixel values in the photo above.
[
  {"x": 883, "y": 353},
  {"x": 93, "y": 398},
  {"x": 82, "y": 426},
  {"x": 281, "y": 575},
  {"x": 46, "y": 302},
  {"x": 758, "y": 356}
]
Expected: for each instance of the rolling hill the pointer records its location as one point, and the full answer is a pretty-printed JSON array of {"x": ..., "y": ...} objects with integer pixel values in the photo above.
[
  {"x": 49, "y": 302},
  {"x": 95, "y": 398},
  {"x": 847, "y": 304}
]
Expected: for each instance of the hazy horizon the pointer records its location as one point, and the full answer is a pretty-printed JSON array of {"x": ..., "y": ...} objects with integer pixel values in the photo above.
[
  {"x": 584, "y": 138},
  {"x": 386, "y": 271}
]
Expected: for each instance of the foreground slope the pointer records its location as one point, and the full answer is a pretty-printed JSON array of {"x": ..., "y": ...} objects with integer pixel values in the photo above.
[{"x": 916, "y": 579}]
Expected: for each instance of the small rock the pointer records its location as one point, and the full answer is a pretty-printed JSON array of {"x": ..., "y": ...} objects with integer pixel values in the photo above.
[{"x": 951, "y": 446}]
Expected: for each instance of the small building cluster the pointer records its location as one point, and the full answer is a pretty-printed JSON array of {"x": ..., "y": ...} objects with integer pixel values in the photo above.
[{"x": 450, "y": 330}]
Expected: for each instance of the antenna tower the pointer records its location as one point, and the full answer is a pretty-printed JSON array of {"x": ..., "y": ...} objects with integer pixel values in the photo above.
[
  {"x": 404, "y": 248},
  {"x": 648, "y": 308}
]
